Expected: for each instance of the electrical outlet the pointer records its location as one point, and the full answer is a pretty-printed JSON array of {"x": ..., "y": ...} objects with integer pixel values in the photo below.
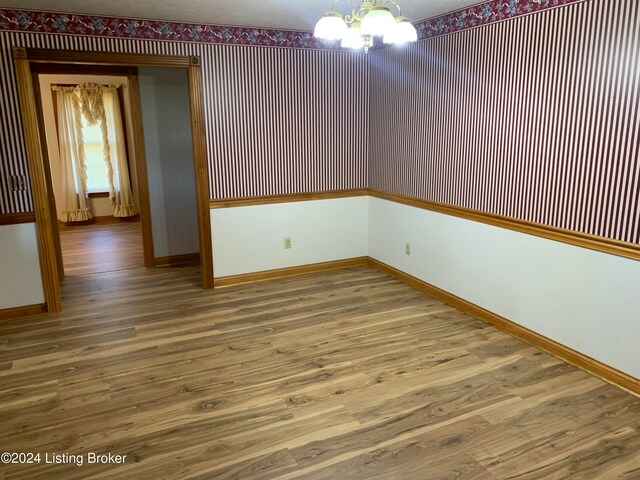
[
  {"x": 407, "y": 249},
  {"x": 287, "y": 243}
]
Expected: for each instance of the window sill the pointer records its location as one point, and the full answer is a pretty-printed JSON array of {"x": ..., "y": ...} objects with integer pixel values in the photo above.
[{"x": 98, "y": 194}]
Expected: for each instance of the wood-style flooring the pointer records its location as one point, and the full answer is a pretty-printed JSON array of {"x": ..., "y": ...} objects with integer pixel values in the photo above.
[
  {"x": 339, "y": 375},
  {"x": 99, "y": 248}
]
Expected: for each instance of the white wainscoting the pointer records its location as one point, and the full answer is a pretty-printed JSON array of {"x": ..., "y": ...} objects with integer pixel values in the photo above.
[
  {"x": 20, "y": 279},
  {"x": 584, "y": 299},
  {"x": 251, "y": 238}
]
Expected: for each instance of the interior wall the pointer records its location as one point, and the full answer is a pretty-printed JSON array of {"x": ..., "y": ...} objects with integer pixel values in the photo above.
[
  {"x": 166, "y": 119},
  {"x": 278, "y": 120},
  {"x": 297, "y": 102},
  {"x": 99, "y": 207},
  {"x": 534, "y": 118},
  {"x": 286, "y": 121},
  {"x": 251, "y": 239},
  {"x": 20, "y": 282},
  {"x": 581, "y": 298}
]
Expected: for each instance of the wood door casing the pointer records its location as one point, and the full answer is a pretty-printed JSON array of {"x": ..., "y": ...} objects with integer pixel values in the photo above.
[{"x": 24, "y": 58}]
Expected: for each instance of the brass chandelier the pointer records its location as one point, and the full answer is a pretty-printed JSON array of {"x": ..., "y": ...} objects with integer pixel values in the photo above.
[{"x": 367, "y": 20}]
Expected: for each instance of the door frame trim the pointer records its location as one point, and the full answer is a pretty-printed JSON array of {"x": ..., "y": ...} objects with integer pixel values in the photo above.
[{"x": 23, "y": 59}]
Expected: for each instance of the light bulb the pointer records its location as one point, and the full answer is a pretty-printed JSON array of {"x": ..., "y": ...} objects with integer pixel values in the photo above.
[
  {"x": 377, "y": 21},
  {"x": 402, "y": 32},
  {"x": 352, "y": 39},
  {"x": 330, "y": 27}
]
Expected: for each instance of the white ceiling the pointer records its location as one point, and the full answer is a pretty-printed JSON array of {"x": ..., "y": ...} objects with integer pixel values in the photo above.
[{"x": 283, "y": 14}]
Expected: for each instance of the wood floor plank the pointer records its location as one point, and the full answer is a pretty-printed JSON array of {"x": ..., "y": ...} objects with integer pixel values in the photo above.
[
  {"x": 50, "y": 347},
  {"x": 590, "y": 459},
  {"x": 408, "y": 418},
  {"x": 96, "y": 248},
  {"x": 398, "y": 463},
  {"x": 199, "y": 453},
  {"x": 438, "y": 454},
  {"x": 344, "y": 374},
  {"x": 266, "y": 467}
]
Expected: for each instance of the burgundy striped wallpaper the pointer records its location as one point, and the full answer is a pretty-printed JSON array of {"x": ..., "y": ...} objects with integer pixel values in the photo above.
[
  {"x": 279, "y": 121},
  {"x": 287, "y": 121},
  {"x": 534, "y": 118}
]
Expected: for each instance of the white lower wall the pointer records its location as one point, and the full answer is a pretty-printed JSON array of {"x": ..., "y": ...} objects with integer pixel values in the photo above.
[
  {"x": 584, "y": 299},
  {"x": 20, "y": 279},
  {"x": 251, "y": 239}
]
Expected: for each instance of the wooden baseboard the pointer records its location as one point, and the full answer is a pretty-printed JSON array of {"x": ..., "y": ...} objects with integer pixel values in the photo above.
[
  {"x": 177, "y": 259},
  {"x": 288, "y": 272},
  {"x": 26, "y": 311},
  {"x": 578, "y": 359}
]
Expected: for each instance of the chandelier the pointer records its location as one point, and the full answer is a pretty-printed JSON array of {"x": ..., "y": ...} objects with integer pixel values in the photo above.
[{"x": 370, "y": 19}]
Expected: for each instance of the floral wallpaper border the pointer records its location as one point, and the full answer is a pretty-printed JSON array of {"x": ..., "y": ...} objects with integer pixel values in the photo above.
[
  {"x": 484, "y": 14},
  {"x": 92, "y": 25}
]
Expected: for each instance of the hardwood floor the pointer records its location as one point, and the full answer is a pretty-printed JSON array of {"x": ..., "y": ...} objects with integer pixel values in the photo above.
[
  {"x": 346, "y": 374},
  {"x": 101, "y": 248}
]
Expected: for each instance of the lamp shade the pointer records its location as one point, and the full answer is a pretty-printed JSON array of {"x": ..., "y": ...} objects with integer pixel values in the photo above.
[
  {"x": 402, "y": 32},
  {"x": 330, "y": 27},
  {"x": 377, "y": 21},
  {"x": 352, "y": 39}
]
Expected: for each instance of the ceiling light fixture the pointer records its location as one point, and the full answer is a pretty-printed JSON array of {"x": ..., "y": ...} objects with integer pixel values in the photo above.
[{"x": 372, "y": 18}]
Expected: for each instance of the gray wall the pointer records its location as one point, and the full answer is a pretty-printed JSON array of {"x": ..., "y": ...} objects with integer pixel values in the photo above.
[{"x": 164, "y": 94}]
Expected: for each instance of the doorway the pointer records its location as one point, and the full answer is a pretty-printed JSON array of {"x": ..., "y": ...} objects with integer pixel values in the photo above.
[
  {"x": 27, "y": 62},
  {"x": 104, "y": 242}
]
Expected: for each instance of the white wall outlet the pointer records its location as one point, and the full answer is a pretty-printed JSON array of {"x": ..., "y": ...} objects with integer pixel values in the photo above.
[
  {"x": 287, "y": 243},
  {"x": 407, "y": 249}
]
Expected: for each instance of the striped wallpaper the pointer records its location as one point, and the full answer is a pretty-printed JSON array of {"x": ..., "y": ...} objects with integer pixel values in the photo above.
[
  {"x": 287, "y": 121},
  {"x": 534, "y": 118},
  {"x": 279, "y": 121}
]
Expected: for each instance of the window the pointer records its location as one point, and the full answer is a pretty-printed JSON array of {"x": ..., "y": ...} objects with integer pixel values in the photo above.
[
  {"x": 96, "y": 167},
  {"x": 93, "y": 157}
]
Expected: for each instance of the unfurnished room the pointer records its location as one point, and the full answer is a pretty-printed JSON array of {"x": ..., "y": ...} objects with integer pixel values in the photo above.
[{"x": 323, "y": 239}]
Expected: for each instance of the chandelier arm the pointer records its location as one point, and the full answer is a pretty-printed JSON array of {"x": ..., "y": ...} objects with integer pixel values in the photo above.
[
  {"x": 385, "y": 2},
  {"x": 354, "y": 17}
]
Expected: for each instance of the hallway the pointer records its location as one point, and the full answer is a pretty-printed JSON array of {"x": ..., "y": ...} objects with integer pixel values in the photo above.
[{"x": 99, "y": 248}]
